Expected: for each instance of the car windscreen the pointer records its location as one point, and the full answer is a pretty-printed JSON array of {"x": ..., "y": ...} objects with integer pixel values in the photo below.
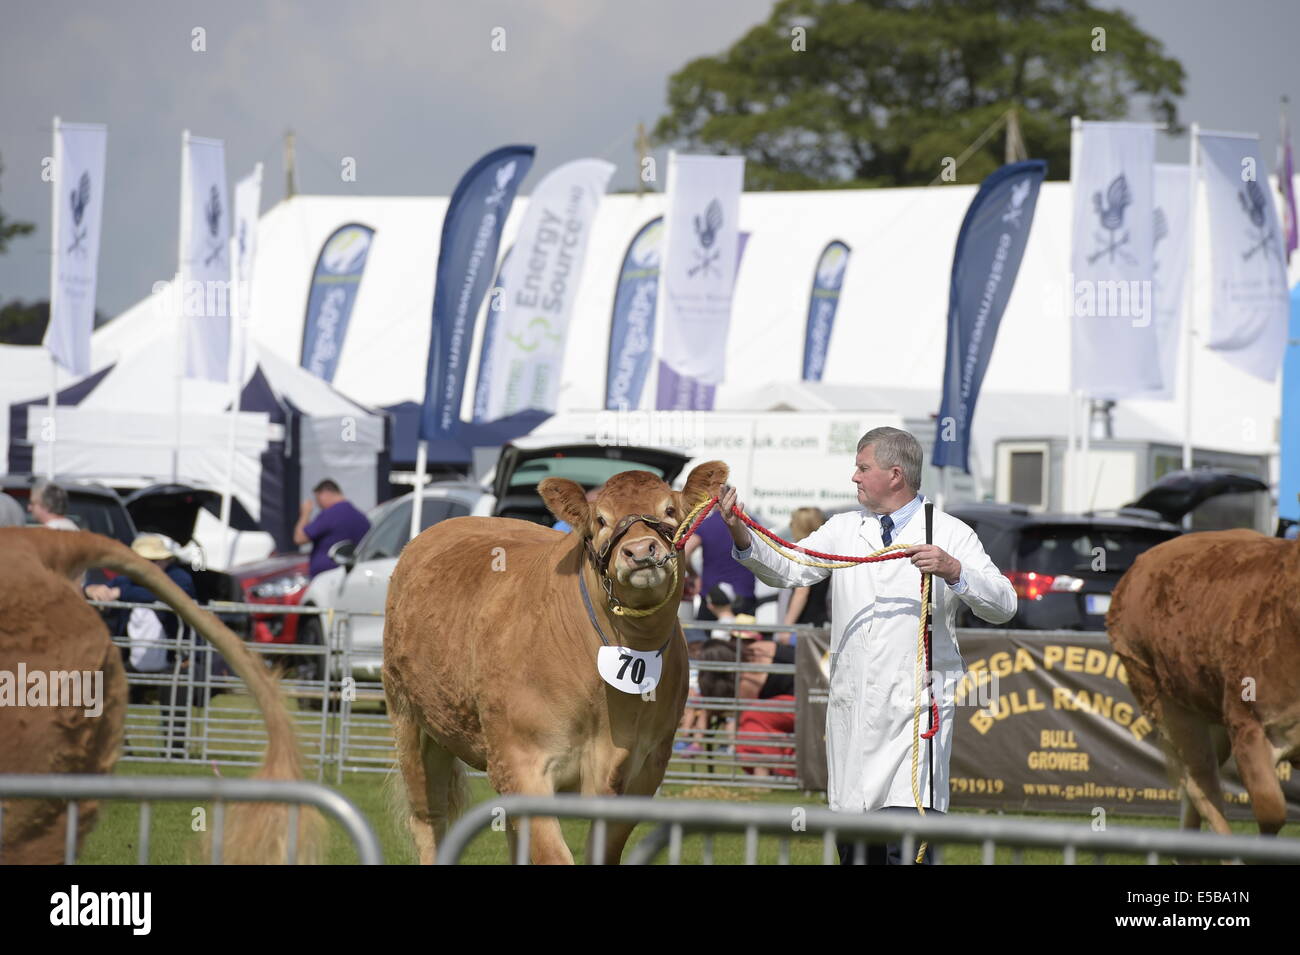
[
  {"x": 101, "y": 515},
  {"x": 1084, "y": 549},
  {"x": 589, "y": 472}
]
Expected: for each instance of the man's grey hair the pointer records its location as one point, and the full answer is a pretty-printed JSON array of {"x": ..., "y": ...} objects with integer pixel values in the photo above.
[
  {"x": 51, "y": 497},
  {"x": 895, "y": 448}
]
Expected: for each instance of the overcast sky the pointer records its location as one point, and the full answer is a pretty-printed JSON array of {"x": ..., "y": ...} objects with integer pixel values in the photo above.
[{"x": 413, "y": 92}]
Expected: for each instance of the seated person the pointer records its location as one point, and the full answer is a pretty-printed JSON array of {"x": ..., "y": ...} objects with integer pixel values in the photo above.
[
  {"x": 148, "y": 631},
  {"x": 755, "y": 728}
]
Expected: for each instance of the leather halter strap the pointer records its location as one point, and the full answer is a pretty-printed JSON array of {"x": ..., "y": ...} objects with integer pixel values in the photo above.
[{"x": 601, "y": 560}]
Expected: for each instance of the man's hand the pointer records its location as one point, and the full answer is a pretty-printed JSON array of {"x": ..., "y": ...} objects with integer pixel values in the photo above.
[
  {"x": 102, "y": 592},
  {"x": 929, "y": 559},
  {"x": 739, "y": 532},
  {"x": 307, "y": 507}
]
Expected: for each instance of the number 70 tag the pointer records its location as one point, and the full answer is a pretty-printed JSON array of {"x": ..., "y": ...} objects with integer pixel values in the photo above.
[{"x": 632, "y": 671}]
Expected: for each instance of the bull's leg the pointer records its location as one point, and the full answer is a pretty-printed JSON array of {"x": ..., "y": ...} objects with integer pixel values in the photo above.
[
  {"x": 407, "y": 740},
  {"x": 522, "y": 774},
  {"x": 1192, "y": 745},
  {"x": 1255, "y": 762},
  {"x": 644, "y": 783}
]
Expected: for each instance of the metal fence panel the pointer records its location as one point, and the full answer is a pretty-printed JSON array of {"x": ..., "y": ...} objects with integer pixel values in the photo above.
[
  {"x": 77, "y": 788},
  {"x": 679, "y": 818}
]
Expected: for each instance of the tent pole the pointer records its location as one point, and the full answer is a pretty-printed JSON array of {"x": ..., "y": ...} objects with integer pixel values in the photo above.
[
  {"x": 236, "y": 380},
  {"x": 54, "y": 291},
  {"x": 180, "y": 302},
  {"x": 1189, "y": 307},
  {"x": 421, "y": 460},
  {"x": 1085, "y": 497}
]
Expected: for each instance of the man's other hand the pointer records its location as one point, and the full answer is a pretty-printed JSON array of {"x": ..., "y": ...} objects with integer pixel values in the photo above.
[{"x": 929, "y": 559}]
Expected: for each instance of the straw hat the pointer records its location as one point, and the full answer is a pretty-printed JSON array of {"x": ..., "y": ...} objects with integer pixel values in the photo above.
[
  {"x": 153, "y": 546},
  {"x": 744, "y": 618}
]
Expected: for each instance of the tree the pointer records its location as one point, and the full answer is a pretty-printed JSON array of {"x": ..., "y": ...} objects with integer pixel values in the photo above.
[
  {"x": 884, "y": 90},
  {"x": 9, "y": 229}
]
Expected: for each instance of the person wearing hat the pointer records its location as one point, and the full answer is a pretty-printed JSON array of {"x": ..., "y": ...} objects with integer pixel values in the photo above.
[{"x": 147, "y": 628}]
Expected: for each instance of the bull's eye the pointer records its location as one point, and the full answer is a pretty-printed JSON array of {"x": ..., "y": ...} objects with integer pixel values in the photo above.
[
  {"x": 671, "y": 512},
  {"x": 602, "y": 521}
]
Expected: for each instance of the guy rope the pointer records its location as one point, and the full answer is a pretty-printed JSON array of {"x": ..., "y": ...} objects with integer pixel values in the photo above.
[{"x": 812, "y": 558}]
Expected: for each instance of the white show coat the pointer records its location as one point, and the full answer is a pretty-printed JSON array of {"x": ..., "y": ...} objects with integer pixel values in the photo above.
[{"x": 875, "y": 618}]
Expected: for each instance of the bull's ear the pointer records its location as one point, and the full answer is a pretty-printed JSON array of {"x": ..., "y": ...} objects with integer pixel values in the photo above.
[
  {"x": 705, "y": 481},
  {"x": 567, "y": 501}
]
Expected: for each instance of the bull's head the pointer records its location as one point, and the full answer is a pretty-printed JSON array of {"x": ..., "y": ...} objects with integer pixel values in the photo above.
[{"x": 630, "y": 525}]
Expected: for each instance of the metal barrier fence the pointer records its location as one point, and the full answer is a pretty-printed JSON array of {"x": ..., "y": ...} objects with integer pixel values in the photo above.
[
  {"x": 342, "y": 720},
  {"x": 77, "y": 788},
  {"x": 677, "y": 819}
]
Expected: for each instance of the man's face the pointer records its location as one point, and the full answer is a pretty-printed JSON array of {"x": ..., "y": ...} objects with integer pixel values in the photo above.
[
  {"x": 875, "y": 484},
  {"x": 34, "y": 508}
]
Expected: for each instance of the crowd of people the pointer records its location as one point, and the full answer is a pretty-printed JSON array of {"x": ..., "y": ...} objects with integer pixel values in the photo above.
[{"x": 722, "y": 591}]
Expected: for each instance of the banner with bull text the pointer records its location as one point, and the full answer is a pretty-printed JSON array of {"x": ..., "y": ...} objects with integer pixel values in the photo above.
[
  {"x": 1249, "y": 306},
  {"x": 1114, "y": 347},
  {"x": 205, "y": 258},
  {"x": 985, "y": 263},
  {"x": 675, "y": 392},
  {"x": 1045, "y": 722},
  {"x": 632, "y": 326},
  {"x": 335, "y": 282},
  {"x": 491, "y": 329},
  {"x": 699, "y": 268},
  {"x": 79, "y": 158},
  {"x": 471, "y": 236},
  {"x": 825, "y": 299},
  {"x": 533, "y": 324}
]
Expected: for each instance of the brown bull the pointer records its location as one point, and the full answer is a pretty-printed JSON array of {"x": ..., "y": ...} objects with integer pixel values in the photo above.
[
  {"x": 490, "y": 655},
  {"x": 47, "y": 626},
  {"x": 1208, "y": 627}
]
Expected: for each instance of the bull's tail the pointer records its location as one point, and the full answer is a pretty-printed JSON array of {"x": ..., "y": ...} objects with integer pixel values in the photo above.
[{"x": 254, "y": 832}]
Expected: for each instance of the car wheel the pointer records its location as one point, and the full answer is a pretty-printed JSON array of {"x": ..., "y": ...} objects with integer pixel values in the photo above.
[{"x": 309, "y": 667}]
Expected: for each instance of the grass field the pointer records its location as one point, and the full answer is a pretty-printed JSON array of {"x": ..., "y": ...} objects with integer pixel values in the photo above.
[{"x": 172, "y": 840}]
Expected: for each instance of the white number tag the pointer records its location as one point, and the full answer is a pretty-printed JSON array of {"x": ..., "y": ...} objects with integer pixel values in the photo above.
[{"x": 632, "y": 671}]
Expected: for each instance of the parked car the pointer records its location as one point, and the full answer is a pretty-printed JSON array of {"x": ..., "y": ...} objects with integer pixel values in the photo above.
[
  {"x": 278, "y": 580},
  {"x": 361, "y": 584},
  {"x": 1065, "y": 566},
  {"x": 165, "y": 509}
]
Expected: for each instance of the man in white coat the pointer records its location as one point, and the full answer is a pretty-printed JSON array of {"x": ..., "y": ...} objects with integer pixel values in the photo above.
[{"x": 875, "y": 619}]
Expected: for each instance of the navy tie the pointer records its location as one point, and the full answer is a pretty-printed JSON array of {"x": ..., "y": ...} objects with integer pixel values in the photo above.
[{"x": 887, "y": 529}]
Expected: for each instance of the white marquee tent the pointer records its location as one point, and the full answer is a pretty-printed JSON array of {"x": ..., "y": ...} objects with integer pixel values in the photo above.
[{"x": 889, "y": 334}]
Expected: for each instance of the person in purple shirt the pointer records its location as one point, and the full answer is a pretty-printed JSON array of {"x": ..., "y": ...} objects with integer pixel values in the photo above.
[
  {"x": 718, "y": 566},
  {"x": 338, "y": 520}
]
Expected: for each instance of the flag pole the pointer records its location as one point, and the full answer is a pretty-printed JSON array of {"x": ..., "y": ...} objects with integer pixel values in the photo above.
[
  {"x": 1189, "y": 300},
  {"x": 55, "y": 192},
  {"x": 236, "y": 380},
  {"x": 1070, "y": 491},
  {"x": 239, "y": 320},
  {"x": 421, "y": 460},
  {"x": 179, "y": 302}
]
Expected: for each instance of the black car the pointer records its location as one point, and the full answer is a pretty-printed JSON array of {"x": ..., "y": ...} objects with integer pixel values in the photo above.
[
  {"x": 166, "y": 509},
  {"x": 1063, "y": 566}
]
